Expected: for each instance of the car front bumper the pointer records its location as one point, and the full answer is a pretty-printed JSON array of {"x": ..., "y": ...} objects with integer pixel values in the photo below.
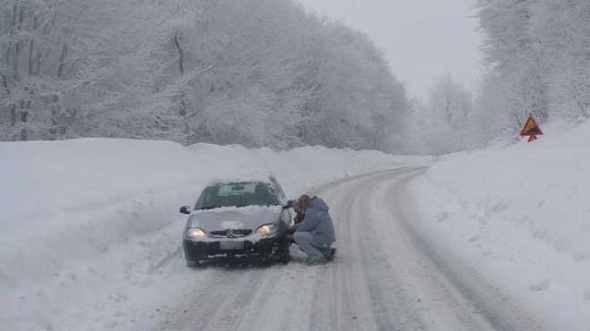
[{"x": 201, "y": 250}]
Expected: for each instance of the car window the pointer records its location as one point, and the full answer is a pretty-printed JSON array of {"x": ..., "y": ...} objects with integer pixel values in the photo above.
[
  {"x": 237, "y": 195},
  {"x": 279, "y": 189}
]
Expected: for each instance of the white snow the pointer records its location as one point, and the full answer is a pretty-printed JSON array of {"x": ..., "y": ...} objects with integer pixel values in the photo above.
[
  {"x": 86, "y": 224},
  {"x": 521, "y": 213}
]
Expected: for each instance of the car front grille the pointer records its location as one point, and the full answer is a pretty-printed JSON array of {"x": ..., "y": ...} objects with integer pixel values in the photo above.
[{"x": 231, "y": 233}]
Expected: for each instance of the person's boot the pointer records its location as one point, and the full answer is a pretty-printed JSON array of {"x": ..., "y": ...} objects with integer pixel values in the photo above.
[
  {"x": 332, "y": 254},
  {"x": 312, "y": 262}
]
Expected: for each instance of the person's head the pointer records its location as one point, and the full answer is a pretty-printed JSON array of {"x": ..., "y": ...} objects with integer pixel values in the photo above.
[
  {"x": 302, "y": 203},
  {"x": 297, "y": 206}
]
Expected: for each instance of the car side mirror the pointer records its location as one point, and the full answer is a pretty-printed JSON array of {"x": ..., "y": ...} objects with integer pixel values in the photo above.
[{"x": 185, "y": 210}]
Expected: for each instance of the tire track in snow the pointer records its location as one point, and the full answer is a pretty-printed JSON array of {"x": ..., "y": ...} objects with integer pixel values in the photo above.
[
  {"x": 381, "y": 319},
  {"x": 158, "y": 265},
  {"x": 331, "y": 309},
  {"x": 389, "y": 301},
  {"x": 487, "y": 302},
  {"x": 216, "y": 298}
]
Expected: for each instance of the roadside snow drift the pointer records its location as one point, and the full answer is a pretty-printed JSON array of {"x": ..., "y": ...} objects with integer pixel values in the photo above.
[
  {"x": 522, "y": 214},
  {"x": 86, "y": 224}
]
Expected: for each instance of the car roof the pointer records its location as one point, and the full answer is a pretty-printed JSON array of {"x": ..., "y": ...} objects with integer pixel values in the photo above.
[
  {"x": 254, "y": 179},
  {"x": 237, "y": 182}
]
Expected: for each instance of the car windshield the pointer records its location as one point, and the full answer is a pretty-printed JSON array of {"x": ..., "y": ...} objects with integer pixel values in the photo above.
[{"x": 237, "y": 195}]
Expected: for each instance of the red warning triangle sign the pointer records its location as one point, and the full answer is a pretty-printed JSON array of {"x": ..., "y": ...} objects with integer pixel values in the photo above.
[{"x": 531, "y": 128}]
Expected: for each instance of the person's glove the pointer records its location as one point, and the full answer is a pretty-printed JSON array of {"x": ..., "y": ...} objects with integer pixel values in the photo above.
[{"x": 290, "y": 203}]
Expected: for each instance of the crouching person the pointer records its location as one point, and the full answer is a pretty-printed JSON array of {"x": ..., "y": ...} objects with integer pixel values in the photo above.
[{"x": 315, "y": 234}]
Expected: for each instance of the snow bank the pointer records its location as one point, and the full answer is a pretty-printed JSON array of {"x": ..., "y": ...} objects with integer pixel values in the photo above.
[
  {"x": 522, "y": 213},
  {"x": 84, "y": 220}
]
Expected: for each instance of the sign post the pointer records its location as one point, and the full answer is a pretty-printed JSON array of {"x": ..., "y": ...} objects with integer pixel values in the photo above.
[{"x": 531, "y": 129}]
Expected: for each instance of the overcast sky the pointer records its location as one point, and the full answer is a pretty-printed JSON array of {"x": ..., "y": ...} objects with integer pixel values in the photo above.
[{"x": 422, "y": 39}]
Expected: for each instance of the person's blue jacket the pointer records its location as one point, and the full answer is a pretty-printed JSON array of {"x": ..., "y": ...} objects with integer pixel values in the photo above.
[{"x": 318, "y": 222}]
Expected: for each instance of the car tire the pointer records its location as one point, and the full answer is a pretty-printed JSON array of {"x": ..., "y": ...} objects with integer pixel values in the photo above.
[{"x": 284, "y": 256}]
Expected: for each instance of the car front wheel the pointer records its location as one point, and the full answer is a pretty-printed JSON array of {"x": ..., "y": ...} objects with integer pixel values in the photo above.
[{"x": 284, "y": 256}]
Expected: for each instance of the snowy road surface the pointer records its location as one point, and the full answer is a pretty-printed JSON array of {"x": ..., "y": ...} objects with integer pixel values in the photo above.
[{"x": 388, "y": 275}]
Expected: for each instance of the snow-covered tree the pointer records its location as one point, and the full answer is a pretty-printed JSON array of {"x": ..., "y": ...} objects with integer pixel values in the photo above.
[
  {"x": 538, "y": 54},
  {"x": 445, "y": 123},
  {"x": 256, "y": 72},
  {"x": 563, "y": 30},
  {"x": 511, "y": 49},
  {"x": 450, "y": 102}
]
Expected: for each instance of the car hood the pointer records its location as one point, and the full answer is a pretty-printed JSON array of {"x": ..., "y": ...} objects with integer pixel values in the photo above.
[{"x": 250, "y": 217}]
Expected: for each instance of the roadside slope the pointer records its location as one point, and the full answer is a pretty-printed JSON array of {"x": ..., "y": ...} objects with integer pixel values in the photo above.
[{"x": 521, "y": 213}]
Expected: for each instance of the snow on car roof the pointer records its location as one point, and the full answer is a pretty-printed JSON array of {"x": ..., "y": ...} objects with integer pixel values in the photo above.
[
  {"x": 258, "y": 175},
  {"x": 250, "y": 209}
]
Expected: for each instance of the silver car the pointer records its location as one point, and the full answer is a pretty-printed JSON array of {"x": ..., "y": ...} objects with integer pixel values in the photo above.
[{"x": 235, "y": 219}]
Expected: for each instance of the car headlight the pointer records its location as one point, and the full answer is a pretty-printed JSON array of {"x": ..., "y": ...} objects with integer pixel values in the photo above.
[
  {"x": 267, "y": 230},
  {"x": 195, "y": 233}
]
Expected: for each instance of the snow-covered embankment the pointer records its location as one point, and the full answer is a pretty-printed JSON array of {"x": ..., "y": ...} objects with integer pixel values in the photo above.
[{"x": 521, "y": 214}]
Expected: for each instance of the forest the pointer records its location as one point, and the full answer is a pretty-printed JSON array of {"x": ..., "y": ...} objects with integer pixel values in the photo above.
[
  {"x": 267, "y": 73},
  {"x": 257, "y": 73},
  {"x": 537, "y": 62}
]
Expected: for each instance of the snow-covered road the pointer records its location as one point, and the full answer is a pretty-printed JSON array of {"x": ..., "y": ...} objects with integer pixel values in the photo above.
[{"x": 388, "y": 275}]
